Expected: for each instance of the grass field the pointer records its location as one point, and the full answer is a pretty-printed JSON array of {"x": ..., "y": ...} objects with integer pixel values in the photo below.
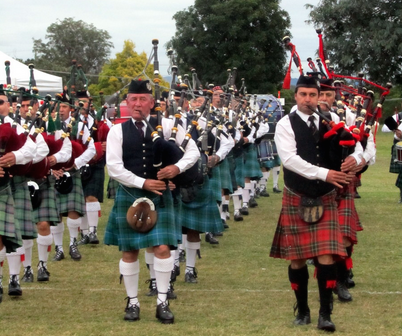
[{"x": 241, "y": 290}]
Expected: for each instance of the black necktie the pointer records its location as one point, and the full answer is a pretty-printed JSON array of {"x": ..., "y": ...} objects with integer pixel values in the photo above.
[
  {"x": 313, "y": 128},
  {"x": 139, "y": 125},
  {"x": 64, "y": 126}
]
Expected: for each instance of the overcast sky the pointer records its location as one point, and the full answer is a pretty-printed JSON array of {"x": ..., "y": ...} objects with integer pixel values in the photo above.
[{"x": 140, "y": 21}]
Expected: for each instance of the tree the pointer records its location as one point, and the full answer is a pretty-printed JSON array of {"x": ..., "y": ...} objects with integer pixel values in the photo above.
[
  {"x": 362, "y": 35},
  {"x": 214, "y": 35},
  {"x": 118, "y": 72},
  {"x": 68, "y": 40}
]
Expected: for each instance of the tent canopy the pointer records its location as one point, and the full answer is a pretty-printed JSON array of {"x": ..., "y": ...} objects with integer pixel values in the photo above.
[{"x": 20, "y": 74}]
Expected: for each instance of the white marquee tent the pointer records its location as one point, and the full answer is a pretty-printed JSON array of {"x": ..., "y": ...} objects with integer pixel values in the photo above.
[{"x": 20, "y": 74}]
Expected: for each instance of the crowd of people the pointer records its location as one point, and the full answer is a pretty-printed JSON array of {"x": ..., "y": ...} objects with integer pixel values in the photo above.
[{"x": 175, "y": 163}]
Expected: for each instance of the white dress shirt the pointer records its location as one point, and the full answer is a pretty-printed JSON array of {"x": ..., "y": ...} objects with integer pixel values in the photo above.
[
  {"x": 28, "y": 151},
  {"x": 114, "y": 154},
  {"x": 89, "y": 152},
  {"x": 287, "y": 150}
]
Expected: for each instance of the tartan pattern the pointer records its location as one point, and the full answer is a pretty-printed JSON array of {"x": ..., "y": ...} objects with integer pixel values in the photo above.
[
  {"x": 348, "y": 218},
  {"x": 215, "y": 184},
  {"x": 239, "y": 170},
  {"x": 251, "y": 164},
  {"x": 398, "y": 181},
  {"x": 73, "y": 201},
  {"x": 23, "y": 208},
  {"x": 276, "y": 162},
  {"x": 112, "y": 186},
  {"x": 394, "y": 166},
  {"x": 47, "y": 211},
  {"x": 118, "y": 232},
  {"x": 203, "y": 213},
  {"x": 357, "y": 182},
  {"x": 225, "y": 176},
  {"x": 232, "y": 166},
  {"x": 95, "y": 184},
  {"x": 295, "y": 239},
  {"x": 9, "y": 227}
]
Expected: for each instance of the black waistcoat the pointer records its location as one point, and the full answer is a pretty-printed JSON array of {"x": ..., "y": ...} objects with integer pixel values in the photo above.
[
  {"x": 317, "y": 154},
  {"x": 137, "y": 152}
]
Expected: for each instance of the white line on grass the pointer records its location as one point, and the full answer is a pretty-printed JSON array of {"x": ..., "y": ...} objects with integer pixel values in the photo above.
[{"x": 210, "y": 290}]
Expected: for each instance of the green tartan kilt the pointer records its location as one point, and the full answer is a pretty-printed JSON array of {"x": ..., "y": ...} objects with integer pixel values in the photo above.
[
  {"x": 232, "y": 166},
  {"x": 239, "y": 170},
  {"x": 225, "y": 176},
  {"x": 118, "y": 232},
  {"x": 215, "y": 183},
  {"x": 73, "y": 201},
  {"x": 112, "y": 186},
  {"x": 276, "y": 162},
  {"x": 394, "y": 166},
  {"x": 251, "y": 165},
  {"x": 23, "y": 208},
  {"x": 95, "y": 184},
  {"x": 47, "y": 211},
  {"x": 9, "y": 227},
  {"x": 202, "y": 214},
  {"x": 398, "y": 181}
]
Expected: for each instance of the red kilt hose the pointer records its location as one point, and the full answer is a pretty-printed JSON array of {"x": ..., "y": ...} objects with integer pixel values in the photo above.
[
  {"x": 348, "y": 218},
  {"x": 295, "y": 239}
]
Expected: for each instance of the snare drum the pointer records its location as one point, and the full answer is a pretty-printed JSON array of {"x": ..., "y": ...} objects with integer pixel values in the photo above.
[
  {"x": 398, "y": 150},
  {"x": 266, "y": 150},
  {"x": 263, "y": 150}
]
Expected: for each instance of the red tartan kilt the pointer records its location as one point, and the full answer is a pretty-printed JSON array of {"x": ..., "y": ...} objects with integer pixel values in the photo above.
[
  {"x": 348, "y": 218},
  {"x": 296, "y": 239}
]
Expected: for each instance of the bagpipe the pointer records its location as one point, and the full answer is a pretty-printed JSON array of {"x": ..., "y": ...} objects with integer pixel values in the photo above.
[{"x": 343, "y": 140}]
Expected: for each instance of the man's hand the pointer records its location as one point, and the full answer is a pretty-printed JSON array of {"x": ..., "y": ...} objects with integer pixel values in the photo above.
[
  {"x": 52, "y": 160},
  {"x": 168, "y": 172},
  {"x": 172, "y": 186},
  {"x": 349, "y": 164},
  {"x": 58, "y": 173},
  {"x": 361, "y": 165},
  {"x": 154, "y": 186},
  {"x": 213, "y": 161},
  {"x": 337, "y": 178},
  {"x": 398, "y": 133},
  {"x": 7, "y": 160}
]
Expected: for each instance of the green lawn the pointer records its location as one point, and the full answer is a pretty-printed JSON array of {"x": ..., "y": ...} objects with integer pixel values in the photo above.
[{"x": 241, "y": 291}]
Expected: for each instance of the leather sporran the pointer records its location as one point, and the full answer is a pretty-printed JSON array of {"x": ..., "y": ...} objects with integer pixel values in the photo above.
[
  {"x": 86, "y": 172},
  {"x": 35, "y": 193},
  {"x": 142, "y": 216},
  {"x": 310, "y": 209}
]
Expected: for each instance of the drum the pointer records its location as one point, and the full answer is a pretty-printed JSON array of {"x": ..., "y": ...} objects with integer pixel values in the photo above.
[
  {"x": 263, "y": 150},
  {"x": 398, "y": 149},
  {"x": 266, "y": 150}
]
